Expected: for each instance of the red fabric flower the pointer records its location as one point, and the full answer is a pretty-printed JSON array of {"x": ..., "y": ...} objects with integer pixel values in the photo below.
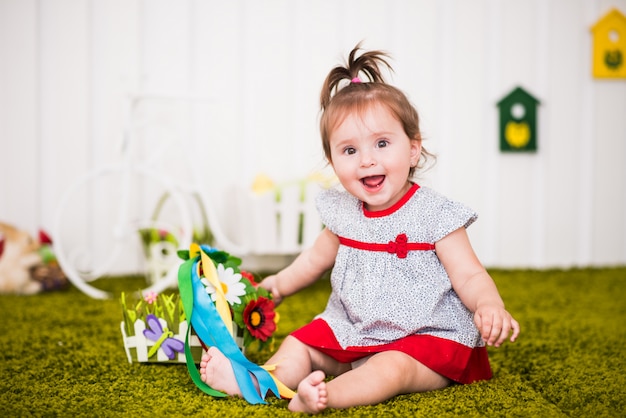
[
  {"x": 399, "y": 247},
  {"x": 259, "y": 318}
]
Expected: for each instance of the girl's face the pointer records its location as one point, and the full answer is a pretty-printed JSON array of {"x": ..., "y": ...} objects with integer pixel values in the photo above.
[{"x": 371, "y": 155}]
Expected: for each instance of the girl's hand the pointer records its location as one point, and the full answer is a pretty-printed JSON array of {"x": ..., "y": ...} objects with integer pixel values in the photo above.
[
  {"x": 269, "y": 284},
  {"x": 495, "y": 324}
]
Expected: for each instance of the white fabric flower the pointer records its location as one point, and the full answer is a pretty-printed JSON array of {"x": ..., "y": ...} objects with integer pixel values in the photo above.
[{"x": 231, "y": 284}]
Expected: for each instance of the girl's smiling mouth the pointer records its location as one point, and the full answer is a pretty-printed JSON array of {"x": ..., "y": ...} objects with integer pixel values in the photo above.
[{"x": 373, "y": 182}]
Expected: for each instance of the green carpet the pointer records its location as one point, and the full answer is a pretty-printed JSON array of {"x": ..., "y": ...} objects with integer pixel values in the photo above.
[{"x": 62, "y": 355}]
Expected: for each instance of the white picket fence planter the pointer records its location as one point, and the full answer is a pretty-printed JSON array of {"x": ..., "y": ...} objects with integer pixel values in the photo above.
[{"x": 137, "y": 346}]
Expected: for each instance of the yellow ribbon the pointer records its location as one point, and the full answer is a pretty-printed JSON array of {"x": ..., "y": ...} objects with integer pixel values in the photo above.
[
  {"x": 210, "y": 273},
  {"x": 283, "y": 390}
]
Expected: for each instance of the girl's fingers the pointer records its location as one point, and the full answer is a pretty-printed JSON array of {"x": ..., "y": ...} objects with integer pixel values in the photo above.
[
  {"x": 516, "y": 329},
  {"x": 495, "y": 329},
  {"x": 503, "y": 334}
]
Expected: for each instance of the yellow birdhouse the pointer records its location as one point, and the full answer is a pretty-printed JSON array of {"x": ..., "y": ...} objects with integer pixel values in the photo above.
[{"x": 609, "y": 46}]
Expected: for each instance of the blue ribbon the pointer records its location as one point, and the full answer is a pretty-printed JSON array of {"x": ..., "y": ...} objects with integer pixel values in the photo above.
[{"x": 210, "y": 328}]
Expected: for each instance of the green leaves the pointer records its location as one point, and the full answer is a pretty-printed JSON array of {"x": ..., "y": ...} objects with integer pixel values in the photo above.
[{"x": 166, "y": 306}]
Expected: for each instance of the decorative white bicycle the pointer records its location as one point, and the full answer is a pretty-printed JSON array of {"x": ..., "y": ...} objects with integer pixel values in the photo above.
[
  {"x": 130, "y": 212},
  {"x": 135, "y": 213}
]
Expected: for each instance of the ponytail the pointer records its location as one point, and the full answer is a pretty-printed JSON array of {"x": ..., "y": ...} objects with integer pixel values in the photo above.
[{"x": 368, "y": 63}]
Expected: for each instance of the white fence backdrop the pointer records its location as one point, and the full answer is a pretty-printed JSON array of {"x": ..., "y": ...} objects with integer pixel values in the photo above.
[{"x": 67, "y": 65}]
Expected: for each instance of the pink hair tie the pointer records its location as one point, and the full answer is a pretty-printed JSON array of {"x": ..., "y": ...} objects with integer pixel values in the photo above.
[{"x": 355, "y": 80}]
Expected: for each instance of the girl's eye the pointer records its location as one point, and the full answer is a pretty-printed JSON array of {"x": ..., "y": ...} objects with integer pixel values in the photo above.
[
  {"x": 382, "y": 143},
  {"x": 349, "y": 150}
]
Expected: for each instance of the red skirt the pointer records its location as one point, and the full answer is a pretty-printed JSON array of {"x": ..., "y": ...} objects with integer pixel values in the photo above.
[{"x": 453, "y": 360}]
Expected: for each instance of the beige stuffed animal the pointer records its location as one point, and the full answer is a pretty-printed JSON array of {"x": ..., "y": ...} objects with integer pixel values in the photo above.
[{"x": 20, "y": 254}]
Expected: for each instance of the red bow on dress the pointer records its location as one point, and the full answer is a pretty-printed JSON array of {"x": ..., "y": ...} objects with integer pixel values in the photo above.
[{"x": 399, "y": 246}]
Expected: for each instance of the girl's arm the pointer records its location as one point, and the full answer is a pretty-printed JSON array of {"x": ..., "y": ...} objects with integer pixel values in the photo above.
[
  {"x": 309, "y": 266},
  {"x": 476, "y": 288}
]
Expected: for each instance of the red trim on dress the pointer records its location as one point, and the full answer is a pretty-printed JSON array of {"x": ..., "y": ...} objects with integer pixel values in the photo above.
[
  {"x": 385, "y": 212},
  {"x": 400, "y": 246},
  {"x": 453, "y": 360}
]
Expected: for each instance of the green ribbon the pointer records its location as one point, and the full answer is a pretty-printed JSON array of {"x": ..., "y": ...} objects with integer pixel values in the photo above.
[{"x": 186, "y": 294}]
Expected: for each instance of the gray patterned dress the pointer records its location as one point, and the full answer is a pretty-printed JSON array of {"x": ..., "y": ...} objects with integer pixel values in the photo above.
[{"x": 389, "y": 289}]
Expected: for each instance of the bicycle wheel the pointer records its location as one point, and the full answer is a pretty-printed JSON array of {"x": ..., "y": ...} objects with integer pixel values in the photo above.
[{"x": 101, "y": 222}]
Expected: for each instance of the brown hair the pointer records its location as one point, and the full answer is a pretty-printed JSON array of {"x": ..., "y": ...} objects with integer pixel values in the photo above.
[{"x": 338, "y": 99}]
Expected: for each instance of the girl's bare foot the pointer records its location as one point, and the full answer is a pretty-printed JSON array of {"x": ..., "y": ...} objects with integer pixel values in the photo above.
[
  {"x": 312, "y": 396},
  {"x": 217, "y": 372}
]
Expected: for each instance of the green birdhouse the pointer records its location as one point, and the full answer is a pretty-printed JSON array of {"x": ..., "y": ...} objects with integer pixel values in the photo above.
[{"x": 518, "y": 122}]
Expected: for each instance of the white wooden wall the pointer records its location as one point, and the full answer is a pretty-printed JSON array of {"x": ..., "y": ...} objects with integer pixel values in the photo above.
[{"x": 66, "y": 65}]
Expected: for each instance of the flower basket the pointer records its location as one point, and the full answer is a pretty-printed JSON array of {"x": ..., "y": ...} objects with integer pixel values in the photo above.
[
  {"x": 250, "y": 307},
  {"x": 217, "y": 296},
  {"x": 155, "y": 326}
]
